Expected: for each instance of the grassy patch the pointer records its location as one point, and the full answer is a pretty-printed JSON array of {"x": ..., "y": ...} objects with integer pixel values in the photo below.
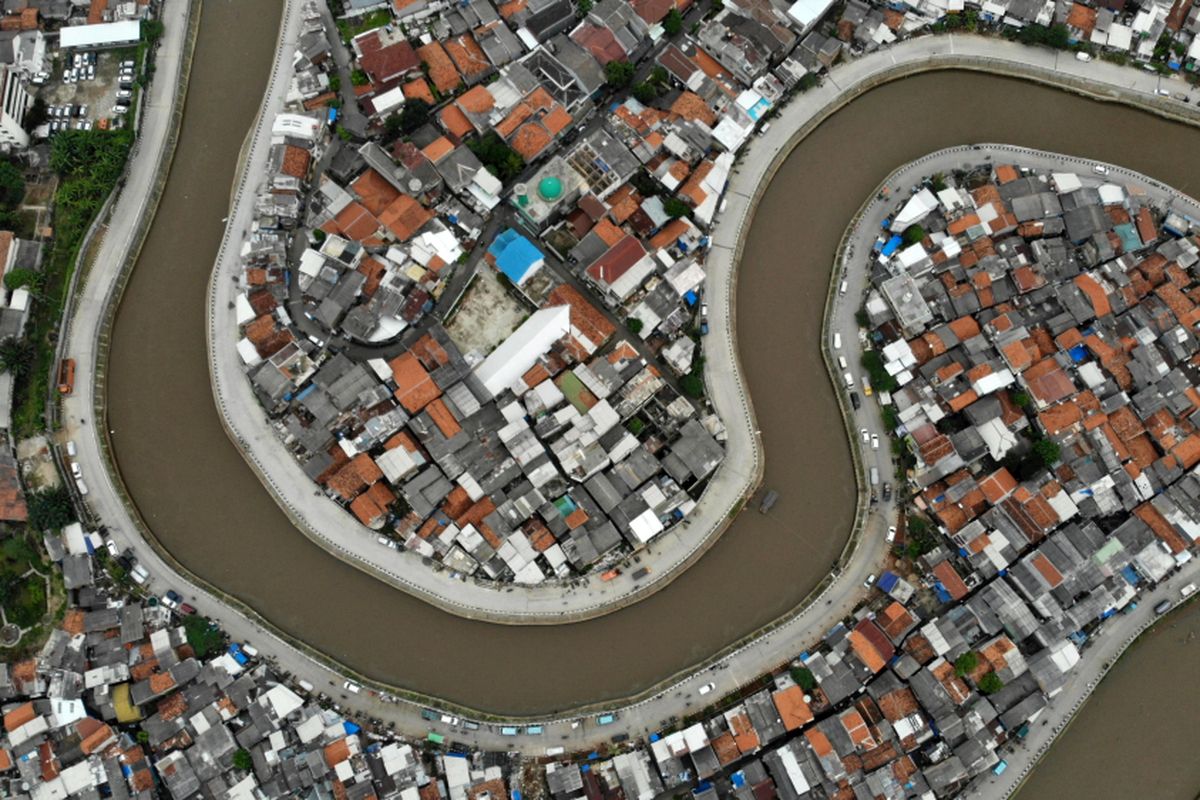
[
  {"x": 24, "y": 599},
  {"x": 376, "y": 19},
  {"x": 203, "y": 635}
]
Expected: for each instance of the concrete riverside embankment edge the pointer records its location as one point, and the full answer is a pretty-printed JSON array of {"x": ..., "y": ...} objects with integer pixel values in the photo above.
[{"x": 329, "y": 526}]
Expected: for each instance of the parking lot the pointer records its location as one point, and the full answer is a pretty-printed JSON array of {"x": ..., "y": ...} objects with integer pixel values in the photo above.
[{"x": 86, "y": 90}]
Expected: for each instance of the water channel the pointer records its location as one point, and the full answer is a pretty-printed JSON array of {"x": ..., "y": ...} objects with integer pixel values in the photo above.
[{"x": 209, "y": 509}]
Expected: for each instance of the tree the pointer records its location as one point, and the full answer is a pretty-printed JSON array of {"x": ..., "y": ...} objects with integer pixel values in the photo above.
[
  {"x": 1021, "y": 399},
  {"x": 51, "y": 509},
  {"x": 880, "y": 379},
  {"x": 914, "y": 234},
  {"x": 359, "y": 78},
  {"x": 335, "y": 83},
  {"x": 19, "y": 277},
  {"x": 16, "y": 355},
  {"x": 584, "y": 6},
  {"x": 501, "y": 159},
  {"x": 990, "y": 683},
  {"x": 644, "y": 92},
  {"x": 804, "y": 678},
  {"x": 242, "y": 760},
  {"x": 634, "y": 324},
  {"x": 673, "y": 23},
  {"x": 659, "y": 76},
  {"x": 636, "y": 426},
  {"x": 965, "y": 664},
  {"x": 676, "y": 208},
  {"x": 203, "y": 635},
  {"x": 619, "y": 74},
  {"x": 37, "y": 114},
  {"x": 692, "y": 385},
  {"x": 12, "y": 185},
  {"x": 1047, "y": 451}
]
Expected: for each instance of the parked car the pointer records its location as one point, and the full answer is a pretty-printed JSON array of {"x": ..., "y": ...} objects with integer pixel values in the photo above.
[
  {"x": 891, "y": 534},
  {"x": 875, "y": 441},
  {"x": 866, "y": 435},
  {"x": 111, "y": 547},
  {"x": 350, "y": 686},
  {"x": 429, "y": 715},
  {"x": 855, "y": 401},
  {"x": 124, "y": 94},
  {"x": 870, "y": 581},
  {"x": 139, "y": 574},
  {"x": 187, "y": 609},
  {"x": 706, "y": 688},
  {"x": 171, "y": 600}
]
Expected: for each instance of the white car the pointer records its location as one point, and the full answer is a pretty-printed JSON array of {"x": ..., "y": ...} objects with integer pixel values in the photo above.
[
  {"x": 704, "y": 309},
  {"x": 111, "y": 546},
  {"x": 891, "y": 534},
  {"x": 351, "y": 687},
  {"x": 139, "y": 574},
  {"x": 875, "y": 441},
  {"x": 870, "y": 581},
  {"x": 866, "y": 434},
  {"x": 706, "y": 688}
]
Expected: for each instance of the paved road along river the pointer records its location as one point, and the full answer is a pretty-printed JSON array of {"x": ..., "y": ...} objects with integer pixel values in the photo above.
[{"x": 210, "y": 511}]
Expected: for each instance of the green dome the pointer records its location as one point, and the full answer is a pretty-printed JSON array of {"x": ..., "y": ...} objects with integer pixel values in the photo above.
[{"x": 550, "y": 188}]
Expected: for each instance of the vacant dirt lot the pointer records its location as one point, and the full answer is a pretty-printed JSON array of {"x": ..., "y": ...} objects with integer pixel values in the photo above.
[{"x": 486, "y": 315}]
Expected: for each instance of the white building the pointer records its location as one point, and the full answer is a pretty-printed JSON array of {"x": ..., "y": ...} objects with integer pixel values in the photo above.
[
  {"x": 521, "y": 350},
  {"x": 12, "y": 114}
]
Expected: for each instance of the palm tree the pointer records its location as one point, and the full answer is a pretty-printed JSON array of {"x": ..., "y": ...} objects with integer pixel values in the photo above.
[{"x": 16, "y": 356}]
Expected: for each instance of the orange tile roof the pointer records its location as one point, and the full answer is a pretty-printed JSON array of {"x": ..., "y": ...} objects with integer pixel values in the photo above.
[
  {"x": 744, "y": 734},
  {"x": 1095, "y": 294},
  {"x": 356, "y": 222},
  {"x": 442, "y": 71},
  {"x": 404, "y": 217},
  {"x": 438, "y": 149},
  {"x": 468, "y": 56},
  {"x": 792, "y": 709},
  {"x": 295, "y": 161},
  {"x": 441, "y": 416},
  {"x": 557, "y": 119},
  {"x": 590, "y": 329},
  {"x": 19, "y": 716},
  {"x": 418, "y": 90},
  {"x": 456, "y": 122},
  {"x": 950, "y": 580},
  {"x": 691, "y": 106},
  {"x": 373, "y": 191},
  {"x": 414, "y": 388},
  {"x": 531, "y": 140},
  {"x": 476, "y": 100},
  {"x": 608, "y": 233},
  {"x": 865, "y": 652}
]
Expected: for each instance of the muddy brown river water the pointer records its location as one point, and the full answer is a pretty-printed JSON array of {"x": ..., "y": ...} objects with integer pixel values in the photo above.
[{"x": 210, "y": 511}]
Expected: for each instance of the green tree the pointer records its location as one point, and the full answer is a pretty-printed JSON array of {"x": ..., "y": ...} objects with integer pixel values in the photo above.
[
  {"x": 50, "y": 509},
  {"x": 965, "y": 664},
  {"x": 659, "y": 76},
  {"x": 636, "y": 426},
  {"x": 990, "y": 683},
  {"x": 913, "y": 234},
  {"x": 673, "y": 23},
  {"x": 203, "y": 635},
  {"x": 501, "y": 159},
  {"x": 20, "y": 277},
  {"x": 584, "y": 6},
  {"x": 619, "y": 74},
  {"x": 152, "y": 30},
  {"x": 692, "y": 385},
  {"x": 804, "y": 678},
  {"x": 243, "y": 761},
  {"x": 1048, "y": 451},
  {"x": 359, "y": 78},
  {"x": 335, "y": 83},
  {"x": 12, "y": 185},
  {"x": 16, "y": 355},
  {"x": 1021, "y": 399},
  {"x": 634, "y": 324},
  {"x": 644, "y": 93},
  {"x": 676, "y": 208},
  {"x": 880, "y": 379}
]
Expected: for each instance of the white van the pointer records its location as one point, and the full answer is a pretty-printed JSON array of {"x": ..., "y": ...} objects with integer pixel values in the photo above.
[
  {"x": 249, "y": 649},
  {"x": 81, "y": 486},
  {"x": 837, "y": 341},
  {"x": 845, "y": 285},
  {"x": 555, "y": 751},
  {"x": 1083, "y": 56},
  {"x": 306, "y": 686},
  {"x": 71, "y": 448},
  {"x": 849, "y": 380},
  {"x": 842, "y": 362}
]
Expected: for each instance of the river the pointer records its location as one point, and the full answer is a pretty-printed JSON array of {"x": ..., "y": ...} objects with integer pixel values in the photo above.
[{"x": 209, "y": 509}]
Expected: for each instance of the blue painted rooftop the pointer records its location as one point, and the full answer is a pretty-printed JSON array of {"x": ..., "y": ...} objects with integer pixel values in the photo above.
[{"x": 515, "y": 255}]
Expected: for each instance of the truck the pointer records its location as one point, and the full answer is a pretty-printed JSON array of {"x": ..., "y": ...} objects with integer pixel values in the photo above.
[{"x": 66, "y": 376}]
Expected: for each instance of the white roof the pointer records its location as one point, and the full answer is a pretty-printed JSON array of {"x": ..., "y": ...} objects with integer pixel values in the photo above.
[
  {"x": 646, "y": 526},
  {"x": 1111, "y": 194},
  {"x": 1120, "y": 36},
  {"x": 1066, "y": 182},
  {"x": 911, "y": 255},
  {"x": 389, "y": 101},
  {"x": 521, "y": 350},
  {"x": 248, "y": 352},
  {"x": 300, "y": 126},
  {"x": 915, "y": 210},
  {"x": 245, "y": 312},
  {"x": 806, "y": 12},
  {"x": 105, "y": 33}
]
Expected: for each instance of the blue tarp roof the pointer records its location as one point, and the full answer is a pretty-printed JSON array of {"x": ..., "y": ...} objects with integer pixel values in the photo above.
[
  {"x": 891, "y": 245},
  {"x": 1130, "y": 575},
  {"x": 887, "y": 581},
  {"x": 690, "y": 298},
  {"x": 941, "y": 592},
  {"x": 1078, "y": 353},
  {"x": 515, "y": 255},
  {"x": 350, "y": 727}
]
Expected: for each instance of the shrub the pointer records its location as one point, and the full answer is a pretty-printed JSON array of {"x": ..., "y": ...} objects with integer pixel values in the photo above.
[
  {"x": 1047, "y": 451},
  {"x": 51, "y": 509},
  {"x": 673, "y": 23},
  {"x": 804, "y": 678},
  {"x": 965, "y": 664},
  {"x": 990, "y": 683}
]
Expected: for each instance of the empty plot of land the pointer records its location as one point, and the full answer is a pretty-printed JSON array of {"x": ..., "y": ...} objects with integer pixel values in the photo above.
[{"x": 486, "y": 315}]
